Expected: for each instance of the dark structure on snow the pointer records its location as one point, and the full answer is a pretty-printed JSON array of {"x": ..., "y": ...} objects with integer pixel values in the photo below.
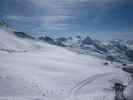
[{"x": 119, "y": 91}]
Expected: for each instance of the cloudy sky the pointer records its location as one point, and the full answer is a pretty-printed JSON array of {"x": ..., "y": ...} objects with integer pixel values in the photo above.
[{"x": 102, "y": 19}]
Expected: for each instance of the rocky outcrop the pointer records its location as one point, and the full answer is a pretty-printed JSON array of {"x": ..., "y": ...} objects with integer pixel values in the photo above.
[
  {"x": 23, "y": 35},
  {"x": 47, "y": 39}
]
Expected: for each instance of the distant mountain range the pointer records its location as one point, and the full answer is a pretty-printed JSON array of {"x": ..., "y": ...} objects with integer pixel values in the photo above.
[{"x": 114, "y": 51}]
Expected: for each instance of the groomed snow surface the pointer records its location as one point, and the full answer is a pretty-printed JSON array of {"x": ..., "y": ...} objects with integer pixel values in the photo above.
[{"x": 32, "y": 70}]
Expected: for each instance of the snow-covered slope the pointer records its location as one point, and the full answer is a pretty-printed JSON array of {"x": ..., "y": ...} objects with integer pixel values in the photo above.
[
  {"x": 52, "y": 72},
  {"x": 115, "y": 50},
  {"x": 11, "y": 43}
]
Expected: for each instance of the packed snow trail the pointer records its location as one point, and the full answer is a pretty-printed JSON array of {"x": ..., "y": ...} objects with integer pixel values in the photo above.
[{"x": 86, "y": 81}]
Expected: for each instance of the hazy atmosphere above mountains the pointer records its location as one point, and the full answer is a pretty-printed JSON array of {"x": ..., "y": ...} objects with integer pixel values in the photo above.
[{"x": 102, "y": 19}]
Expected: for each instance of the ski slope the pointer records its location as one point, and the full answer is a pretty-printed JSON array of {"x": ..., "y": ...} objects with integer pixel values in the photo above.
[{"x": 52, "y": 73}]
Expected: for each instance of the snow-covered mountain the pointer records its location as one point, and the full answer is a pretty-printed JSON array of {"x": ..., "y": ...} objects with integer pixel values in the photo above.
[
  {"x": 36, "y": 70},
  {"x": 114, "y": 51}
]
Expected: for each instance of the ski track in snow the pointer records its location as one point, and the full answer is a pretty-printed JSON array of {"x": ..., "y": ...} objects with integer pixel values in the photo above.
[{"x": 87, "y": 81}]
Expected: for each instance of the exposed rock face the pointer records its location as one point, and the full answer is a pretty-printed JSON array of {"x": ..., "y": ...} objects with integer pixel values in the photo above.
[
  {"x": 97, "y": 45},
  {"x": 118, "y": 45},
  {"x": 47, "y": 39},
  {"x": 128, "y": 69},
  {"x": 60, "y": 41},
  {"x": 23, "y": 35},
  {"x": 129, "y": 54},
  {"x": 100, "y": 47},
  {"x": 87, "y": 41}
]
